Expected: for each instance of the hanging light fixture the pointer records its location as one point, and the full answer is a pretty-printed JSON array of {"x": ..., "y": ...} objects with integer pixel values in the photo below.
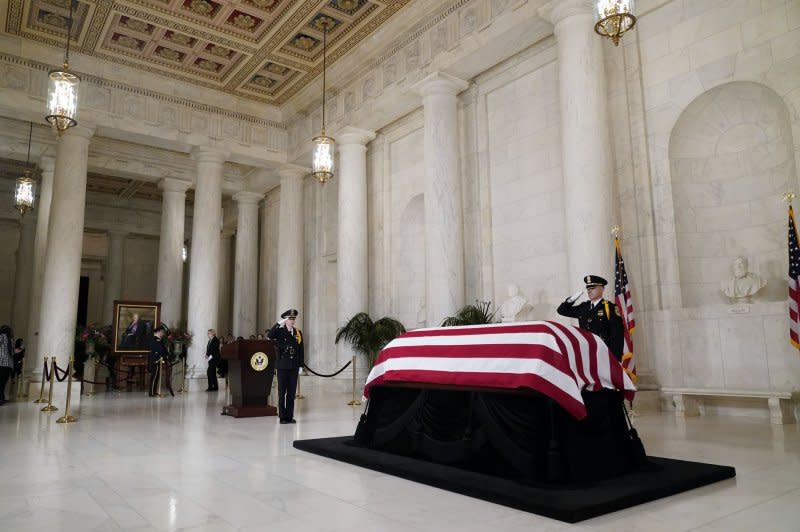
[
  {"x": 62, "y": 90},
  {"x": 322, "y": 165},
  {"x": 23, "y": 192},
  {"x": 613, "y": 18}
]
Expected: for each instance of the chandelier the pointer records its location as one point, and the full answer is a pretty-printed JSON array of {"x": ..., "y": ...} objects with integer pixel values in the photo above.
[
  {"x": 23, "y": 191},
  {"x": 322, "y": 164},
  {"x": 613, "y": 18},
  {"x": 62, "y": 90}
]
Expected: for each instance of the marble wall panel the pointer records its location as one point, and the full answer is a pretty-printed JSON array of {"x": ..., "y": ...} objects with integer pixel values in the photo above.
[
  {"x": 140, "y": 269},
  {"x": 783, "y": 361},
  {"x": 701, "y": 356},
  {"x": 744, "y": 356},
  {"x": 9, "y": 240}
]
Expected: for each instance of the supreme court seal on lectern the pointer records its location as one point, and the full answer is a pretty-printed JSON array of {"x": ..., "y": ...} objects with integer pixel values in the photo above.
[{"x": 259, "y": 361}]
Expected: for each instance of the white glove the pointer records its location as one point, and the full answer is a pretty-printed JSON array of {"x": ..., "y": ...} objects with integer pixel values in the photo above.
[{"x": 576, "y": 296}]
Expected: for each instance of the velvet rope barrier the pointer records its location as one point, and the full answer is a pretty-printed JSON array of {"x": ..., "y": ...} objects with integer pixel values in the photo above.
[
  {"x": 329, "y": 374},
  {"x": 60, "y": 371}
]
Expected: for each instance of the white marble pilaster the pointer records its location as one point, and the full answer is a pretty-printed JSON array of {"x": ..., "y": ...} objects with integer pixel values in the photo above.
[
  {"x": 23, "y": 276},
  {"x": 226, "y": 245},
  {"x": 444, "y": 239},
  {"x": 62, "y": 263},
  {"x": 289, "y": 292},
  {"x": 245, "y": 280},
  {"x": 169, "y": 285},
  {"x": 205, "y": 259},
  {"x": 352, "y": 273},
  {"x": 585, "y": 145},
  {"x": 115, "y": 262},
  {"x": 266, "y": 308},
  {"x": 32, "y": 364}
]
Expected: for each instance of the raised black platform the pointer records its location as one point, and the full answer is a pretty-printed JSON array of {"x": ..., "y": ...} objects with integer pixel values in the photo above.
[{"x": 571, "y": 503}]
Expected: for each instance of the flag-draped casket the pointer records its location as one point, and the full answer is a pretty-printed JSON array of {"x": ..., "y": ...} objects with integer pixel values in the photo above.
[{"x": 557, "y": 360}]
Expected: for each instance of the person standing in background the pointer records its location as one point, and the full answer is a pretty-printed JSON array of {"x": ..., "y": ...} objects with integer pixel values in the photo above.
[
  {"x": 6, "y": 359},
  {"x": 213, "y": 357}
]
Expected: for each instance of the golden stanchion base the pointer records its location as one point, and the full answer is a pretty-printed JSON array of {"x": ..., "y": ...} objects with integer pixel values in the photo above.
[
  {"x": 88, "y": 394},
  {"x": 67, "y": 419},
  {"x": 354, "y": 402},
  {"x": 49, "y": 408},
  {"x": 299, "y": 396},
  {"x": 40, "y": 401}
]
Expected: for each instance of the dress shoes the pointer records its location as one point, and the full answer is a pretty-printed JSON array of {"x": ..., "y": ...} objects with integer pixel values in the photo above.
[
  {"x": 293, "y": 420},
  {"x": 284, "y": 421}
]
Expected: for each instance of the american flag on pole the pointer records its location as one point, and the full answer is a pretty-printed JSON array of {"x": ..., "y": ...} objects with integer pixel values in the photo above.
[
  {"x": 794, "y": 280},
  {"x": 622, "y": 297},
  {"x": 556, "y": 360}
]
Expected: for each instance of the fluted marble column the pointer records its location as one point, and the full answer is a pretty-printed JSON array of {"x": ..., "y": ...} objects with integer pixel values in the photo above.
[
  {"x": 585, "y": 145},
  {"x": 224, "y": 320},
  {"x": 169, "y": 285},
  {"x": 291, "y": 264},
  {"x": 115, "y": 262},
  {"x": 23, "y": 276},
  {"x": 444, "y": 231},
  {"x": 47, "y": 166},
  {"x": 62, "y": 263},
  {"x": 245, "y": 276},
  {"x": 352, "y": 273},
  {"x": 204, "y": 269}
]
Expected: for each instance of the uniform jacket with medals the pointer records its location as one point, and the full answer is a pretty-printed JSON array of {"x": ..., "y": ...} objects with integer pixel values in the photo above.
[
  {"x": 603, "y": 320},
  {"x": 157, "y": 350},
  {"x": 290, "y": 347}
]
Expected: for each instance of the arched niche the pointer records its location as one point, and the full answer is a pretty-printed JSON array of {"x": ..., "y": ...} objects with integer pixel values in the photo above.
[
  {"x": 408, "y": 264},
  {"x": 731, "y": 157}
]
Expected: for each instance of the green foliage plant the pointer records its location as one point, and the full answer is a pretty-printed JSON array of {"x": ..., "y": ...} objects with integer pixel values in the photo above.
[{"x": 368, "y": 337}]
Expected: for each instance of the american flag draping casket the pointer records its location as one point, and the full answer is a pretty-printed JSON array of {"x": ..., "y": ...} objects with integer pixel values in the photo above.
[{"x": 554, "y": 359}]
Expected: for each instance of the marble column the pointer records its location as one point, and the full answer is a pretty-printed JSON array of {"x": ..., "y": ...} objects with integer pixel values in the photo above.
[
  {"x": 226, "y": 250},
  {"x": 444, "y": 231},
  {"x": 23, "y": 276},
  {"x": 585, "y": 142},
  {"x": 266, "y": 289},
  {"x": 205, "y": 258},
  {"x": 115, "y": 263},
  {"x": 33, "y": 365},
  {"x": 291, "y": 243},
  {"x": 352, "y": 273},
  {"x": 169, "y": 284},
  {"x": 245, "y": 277},
  {"x": 62, "y": 263}
]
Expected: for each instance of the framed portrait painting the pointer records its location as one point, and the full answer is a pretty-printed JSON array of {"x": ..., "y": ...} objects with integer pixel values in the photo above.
[{"x": 134, "y": 323}]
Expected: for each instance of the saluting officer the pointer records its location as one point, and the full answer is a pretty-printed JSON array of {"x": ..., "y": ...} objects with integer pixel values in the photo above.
[
  {"x": 157, "y": 351},
  {"x": 597, "y": 315},
  {"x": 290, "y": 358}
]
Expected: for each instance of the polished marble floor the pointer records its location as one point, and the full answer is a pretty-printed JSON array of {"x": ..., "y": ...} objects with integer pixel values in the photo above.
[{"x": 139, "y": 464}]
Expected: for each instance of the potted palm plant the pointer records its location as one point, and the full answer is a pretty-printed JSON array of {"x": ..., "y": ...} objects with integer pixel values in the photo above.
[
  {"x": 369, "y": 337},
  {"x": 477, "y": 314}
]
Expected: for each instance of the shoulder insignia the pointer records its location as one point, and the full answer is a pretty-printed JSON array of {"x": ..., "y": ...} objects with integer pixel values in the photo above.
[{"x": 616, "y": 311}]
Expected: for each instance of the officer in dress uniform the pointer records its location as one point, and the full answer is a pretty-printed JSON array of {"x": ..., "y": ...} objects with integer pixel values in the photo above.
[
  {"x": 597, "y": 315},
  {"x": 290, "y": 359},
  {"x": 157, "y": 351}
]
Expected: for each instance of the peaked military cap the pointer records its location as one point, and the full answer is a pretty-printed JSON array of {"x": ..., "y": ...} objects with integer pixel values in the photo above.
[
  {"x": 594, "y": 280},
  {"x": 291, "y": 313}
]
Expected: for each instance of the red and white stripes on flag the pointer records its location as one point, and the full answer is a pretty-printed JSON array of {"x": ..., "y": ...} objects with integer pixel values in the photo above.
[
  {"x": 551, "y": 358},
  {"x": 794, "y": 274},
  {"x": 622, "y": 297}
]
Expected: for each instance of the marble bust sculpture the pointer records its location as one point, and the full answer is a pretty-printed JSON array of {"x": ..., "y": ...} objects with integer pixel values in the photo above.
[
  {"x": 743, "y": 284},
  {"x": 512, "y": 308}
]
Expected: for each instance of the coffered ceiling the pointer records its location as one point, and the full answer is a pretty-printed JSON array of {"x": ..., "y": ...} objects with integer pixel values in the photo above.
[{"x": 265, "y": 50}]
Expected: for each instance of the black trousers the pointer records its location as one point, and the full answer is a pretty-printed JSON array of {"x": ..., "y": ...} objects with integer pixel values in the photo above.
[
  {"x": 287, "y": 388},
  {"x": 212, "y": 375},
  {"x": 5, "y": 373}
]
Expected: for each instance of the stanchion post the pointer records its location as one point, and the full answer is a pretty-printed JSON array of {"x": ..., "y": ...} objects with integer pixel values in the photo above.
[
  {"x": 50, "y": 406},
  {"x": 354, "y": 401},
  {"x": 158, "y": 382},
  {"x": 299, "y": 395},
  {"x": 66, "y": 418},
  {"x": 44, "y": 374}
]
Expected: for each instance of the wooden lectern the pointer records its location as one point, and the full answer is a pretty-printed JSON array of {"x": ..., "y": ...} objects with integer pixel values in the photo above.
[{"x": 251, "y": 367}]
